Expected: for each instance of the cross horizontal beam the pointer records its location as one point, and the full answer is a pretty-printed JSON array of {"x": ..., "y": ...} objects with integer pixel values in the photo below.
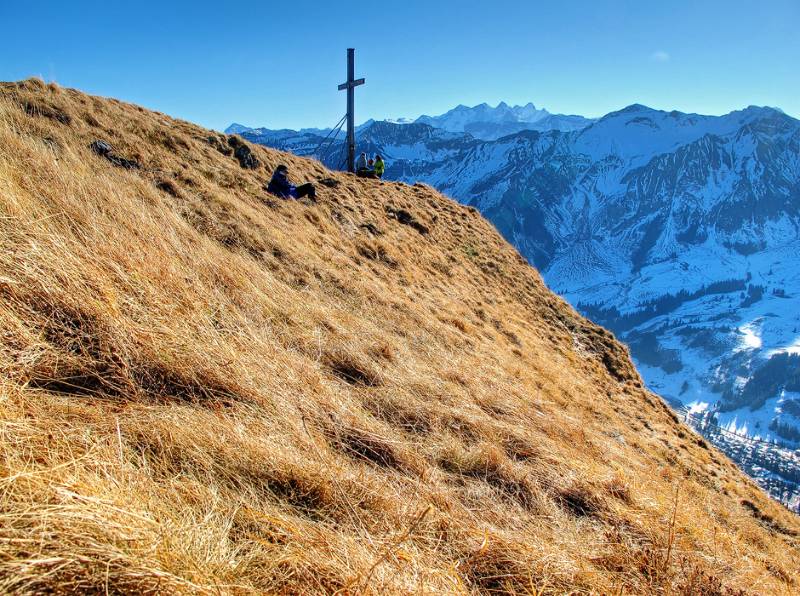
[{"x": 351, "y": 84}]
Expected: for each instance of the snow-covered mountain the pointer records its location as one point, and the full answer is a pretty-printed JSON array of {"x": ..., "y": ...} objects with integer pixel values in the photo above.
[
  {"x": 241, "y": 129},
  {"x": 236, "y": 129},
  {"x": 488, "y": 123},
  {"x": 482, "y": 122},
  {"x": 679, "y": 232}
]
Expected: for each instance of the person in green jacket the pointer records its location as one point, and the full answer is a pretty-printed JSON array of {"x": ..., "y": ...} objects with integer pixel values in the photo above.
[{"x": 379, "y": 166}]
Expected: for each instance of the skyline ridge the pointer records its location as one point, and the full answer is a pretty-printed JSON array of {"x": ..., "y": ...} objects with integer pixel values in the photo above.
[{"x": 405, "y": 120}]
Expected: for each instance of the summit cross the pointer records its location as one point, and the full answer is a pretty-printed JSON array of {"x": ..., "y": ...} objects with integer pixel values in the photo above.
[{"x": 351, "y": 85}]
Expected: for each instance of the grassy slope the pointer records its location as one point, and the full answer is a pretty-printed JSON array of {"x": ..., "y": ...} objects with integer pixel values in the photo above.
[{"x": 205, "y": 389}]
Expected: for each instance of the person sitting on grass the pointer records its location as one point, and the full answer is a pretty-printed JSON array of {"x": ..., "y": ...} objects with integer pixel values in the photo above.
[
  {"x": 281, "y": 187},
  {"x": 364, "y": 167}
]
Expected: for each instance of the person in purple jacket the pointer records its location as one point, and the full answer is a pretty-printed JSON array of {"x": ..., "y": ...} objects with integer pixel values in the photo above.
[{"x": 281, "y": 187}]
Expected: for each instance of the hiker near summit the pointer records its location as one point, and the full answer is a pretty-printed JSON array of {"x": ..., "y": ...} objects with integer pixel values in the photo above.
[
  {"x": 281, "y": 186},
  {"x": 364, "y": 167},
  {"x": 380, "y": 167}
]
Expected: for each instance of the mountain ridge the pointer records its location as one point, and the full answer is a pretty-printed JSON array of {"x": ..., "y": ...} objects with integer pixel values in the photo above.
[
  {"x": 572, "y": 122},
  {"x": 488, "y": 123},
  {"x": 642, "y": 211},
  {"x": 481, "y": 121}
]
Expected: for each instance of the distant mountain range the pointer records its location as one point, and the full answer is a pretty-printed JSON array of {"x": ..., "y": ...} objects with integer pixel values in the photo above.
[
  {"x": 482, "y": 122},
  {"x": 680, "y": 232},
  {"x": 488, "y": 123}
]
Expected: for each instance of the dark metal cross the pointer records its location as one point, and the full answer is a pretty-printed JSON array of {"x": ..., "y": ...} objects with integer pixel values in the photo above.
[{"x": 351, "y": 85}]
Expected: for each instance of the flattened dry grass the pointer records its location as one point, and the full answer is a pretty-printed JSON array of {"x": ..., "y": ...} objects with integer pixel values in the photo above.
[{"x": 205, "y": 389}]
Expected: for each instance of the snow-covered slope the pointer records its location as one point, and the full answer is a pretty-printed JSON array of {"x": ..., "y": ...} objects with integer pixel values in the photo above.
[{"x": 679, "y": 232}]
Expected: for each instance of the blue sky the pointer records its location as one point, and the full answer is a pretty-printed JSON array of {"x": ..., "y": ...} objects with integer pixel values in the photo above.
[{"x": 277, "y": 64}]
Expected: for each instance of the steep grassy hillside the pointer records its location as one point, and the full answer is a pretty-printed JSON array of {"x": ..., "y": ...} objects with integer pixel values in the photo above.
[{"x": 205, "y": 389}]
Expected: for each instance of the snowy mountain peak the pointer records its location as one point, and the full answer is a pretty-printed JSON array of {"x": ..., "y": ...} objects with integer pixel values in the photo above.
[
  {"x": 489, "y": 123},
  {"x": 636, "y": 107},
  {"x": 236, "y": 129},
  {"x": 766, "y": 110}
]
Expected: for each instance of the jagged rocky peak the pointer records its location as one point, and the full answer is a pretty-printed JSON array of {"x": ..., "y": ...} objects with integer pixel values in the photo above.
[{"x": 489, "y": 123}]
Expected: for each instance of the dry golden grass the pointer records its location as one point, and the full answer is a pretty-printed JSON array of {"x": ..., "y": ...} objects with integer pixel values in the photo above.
[{"x": 205, "y": 389}]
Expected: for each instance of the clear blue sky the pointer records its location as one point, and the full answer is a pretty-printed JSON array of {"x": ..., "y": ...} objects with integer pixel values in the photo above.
[{"x": 277, "y": 64}]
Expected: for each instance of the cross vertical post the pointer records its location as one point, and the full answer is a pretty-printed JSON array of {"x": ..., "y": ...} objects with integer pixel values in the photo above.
[
  {"x": 351, "y": 85},
  {"x": 351, "y": 110}
]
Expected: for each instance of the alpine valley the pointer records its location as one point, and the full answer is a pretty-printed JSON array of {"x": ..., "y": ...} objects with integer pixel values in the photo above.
[{"x": 679, "y": 232}]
